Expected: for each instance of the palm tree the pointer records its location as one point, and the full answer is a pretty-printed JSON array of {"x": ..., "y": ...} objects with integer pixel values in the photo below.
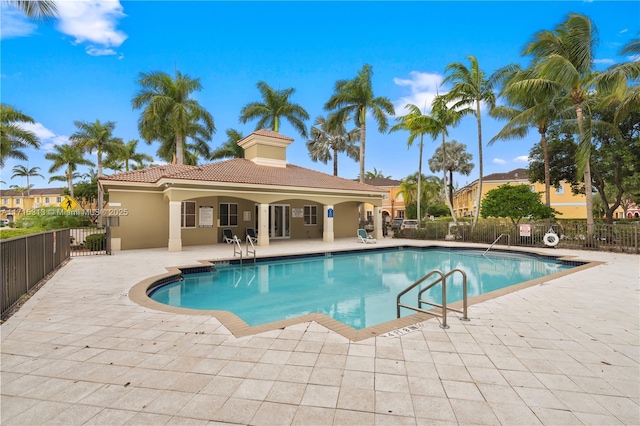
[
  {"x": 68, "y": 157},
  {"x": 126, "y": 153},
  {"x": 22, "y": 171},
  {"x": 38, "y": 10},
  {"x": 96, "y": 136},
  {"x": 353, "y": 98},
  {"x": 526, "y": 110},
  {"x": 168, "y": 109},
  {"x": 471, "y": 87},
  {"x": 21, "y": 190},
  {"x": 13, "y": 138},
  {"x": 329, "y": 137},
  {"x": 458, "y": 160},
  {"x": 563, "y": 60},
  {"x": 417, "y": 123},
  {"x": 446, "y": 117},
  {"x": 615, "y": 83},
  {"x": 230, "y": 149},
  {"x": 376, "y": 174},
  {"x": 275, "y": 105},
  {"x": 195, "y": 144}
]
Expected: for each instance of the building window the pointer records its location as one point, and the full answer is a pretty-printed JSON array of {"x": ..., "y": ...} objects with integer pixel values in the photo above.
[
  {"x": 310, "y": 215},
  {"x": 188, "y": 214},
  {"x": 5, "y": 201},
  {"x": 47, "y": 200},
  {"x": 401, "y": 214},
  {"x": 228, "y": 214},
  {"x": 58, "y": 199},
  {"x": 560, "y": 190},
  {"x": 369, "y": 216},
  {"x": 532, "y": 188},
  {"x": 17, "y": 201}
]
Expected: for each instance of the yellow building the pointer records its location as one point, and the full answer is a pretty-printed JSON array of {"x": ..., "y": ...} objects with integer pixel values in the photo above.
[
  {"x": 392, "y": 201},
  {"x": 14, "y": 204},
  {"x": 568, "y": 204}
]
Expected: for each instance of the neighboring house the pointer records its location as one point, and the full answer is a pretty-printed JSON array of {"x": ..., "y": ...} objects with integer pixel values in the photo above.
[
  {"x": 178, "y": 205},
  {"x": 392, "y": 202},
  {"x": 633, "y": 212},
  {"x": 14, "y": 204},
  {"x": 569, "y": 205}
]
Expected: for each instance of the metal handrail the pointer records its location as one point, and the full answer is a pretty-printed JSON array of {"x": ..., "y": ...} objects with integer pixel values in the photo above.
[
  {"x": 250, "y": 243},
  {"x": 237, "y": 249},
  {"x": 496, "y": 240},
  {"x": 443, "y": 306}
]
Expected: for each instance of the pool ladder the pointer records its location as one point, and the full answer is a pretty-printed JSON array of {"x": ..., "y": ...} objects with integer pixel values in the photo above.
[
  {"x": 443, "y": 281},
  {"x": 498, "y": 239},
  {"x": 237, "y": 248}
]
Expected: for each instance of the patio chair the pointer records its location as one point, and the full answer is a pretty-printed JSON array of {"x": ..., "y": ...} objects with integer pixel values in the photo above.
[
  {"x": 227, "y": 236},
  {"x": 365, "y": 238},
  {"x": 251, "y": 233}
]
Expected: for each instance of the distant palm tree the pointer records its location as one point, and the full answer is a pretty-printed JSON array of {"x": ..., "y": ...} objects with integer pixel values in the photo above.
[
  {"x": 40, "y": 9},
  {"x": 446, "y": 117},
  {"x": 458, "y": 160},
  {"x": 615, "y": 83},
  {"x": 96, "y": 136},
  {"x": 275, "y": 105},
  {"x": 376, "y": 174},
  {"x": 13, "y": 138},
  {"x": 529, "y": 109},
  {"x": 329, "y": 137},
  {"x": 169, "y": 110},
  {"x": 563, "y": 59},
  {"x": 471, "y": 87},
  {"x": 353, "y": 98},
  {"x": 230, "y": 149},
  {"x": 126, "y": 153},
  {"x": 22, "y": 171},
  {"x": 68, "y": 157},
  {"x": 417, "y": 124}
]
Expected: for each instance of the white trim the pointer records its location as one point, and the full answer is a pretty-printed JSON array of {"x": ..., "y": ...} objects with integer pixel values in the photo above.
[
  {"x": 569, "y": 204},
  {"x": 270, "y": 162}
]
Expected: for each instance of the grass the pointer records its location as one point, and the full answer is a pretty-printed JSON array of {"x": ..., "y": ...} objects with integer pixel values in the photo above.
[{"x": 6, "y": 232}]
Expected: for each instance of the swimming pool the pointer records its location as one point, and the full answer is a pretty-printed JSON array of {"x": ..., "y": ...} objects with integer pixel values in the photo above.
[{"x": 358, "y": 289}]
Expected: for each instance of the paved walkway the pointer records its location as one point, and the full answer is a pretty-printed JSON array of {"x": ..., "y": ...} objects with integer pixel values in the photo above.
[{"x": 81, "y": 352}]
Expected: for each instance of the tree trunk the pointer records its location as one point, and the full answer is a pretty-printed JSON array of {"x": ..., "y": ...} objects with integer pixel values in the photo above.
[
  {"x": 547, "y": 173},
  {"x": 588, "y": 186},
  {"x": 363, "y": 133},
  {"x": 70, "y": 181},
  {"x": 100, "y": 196},
  {"x": 451, "y": 185},
  {"x": 480, "y": 168},
  {"x": 276, "y": 123},
  {"x": 179, "y": 149},
  {"x": 444, "y": 172},
  {"x": 420, "y": 181},
  {"x": 335, "y": 161}
]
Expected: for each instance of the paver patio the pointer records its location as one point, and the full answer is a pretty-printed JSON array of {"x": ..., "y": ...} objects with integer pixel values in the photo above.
[{"x": 81, "y": 352}]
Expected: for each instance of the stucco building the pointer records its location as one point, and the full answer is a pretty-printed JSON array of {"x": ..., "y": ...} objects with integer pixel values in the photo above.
[{"x": 178, "y": 205}]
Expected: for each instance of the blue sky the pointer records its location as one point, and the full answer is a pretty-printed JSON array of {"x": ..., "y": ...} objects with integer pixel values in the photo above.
[{"x": 83, "y": 66}]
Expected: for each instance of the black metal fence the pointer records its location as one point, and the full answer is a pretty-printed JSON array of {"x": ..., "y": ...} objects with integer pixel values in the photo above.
[
  {"x": 29, "y": 259},
  {"x": 571, "y": 235},
  {"x": 90, "y": 241}
]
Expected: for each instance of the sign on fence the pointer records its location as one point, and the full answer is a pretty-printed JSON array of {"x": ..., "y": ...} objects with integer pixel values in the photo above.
[{"x": 525, "y": 230}]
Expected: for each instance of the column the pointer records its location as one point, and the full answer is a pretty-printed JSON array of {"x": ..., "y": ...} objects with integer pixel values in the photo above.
[
  {"x": 175, "y": 233},
  {"x": 377, "y": 223},
  {"x": 327, "y": 223},
  {"x": 263, "y": 225}
]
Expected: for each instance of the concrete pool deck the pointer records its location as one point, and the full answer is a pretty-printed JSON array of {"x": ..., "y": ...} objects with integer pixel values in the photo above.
[{"x": 566, "y": 351}]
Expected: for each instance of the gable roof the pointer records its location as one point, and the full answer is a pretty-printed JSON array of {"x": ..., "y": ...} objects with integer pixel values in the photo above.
[
  {"x": 509, "y": 176},
  {"x": 382, "y": 182},
  {"x": 32, "y": 192},
  {"x": 242, "y": 171}
]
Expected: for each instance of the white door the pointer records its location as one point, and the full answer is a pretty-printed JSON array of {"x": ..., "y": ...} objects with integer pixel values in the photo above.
[{"x": 279, "y": 220}]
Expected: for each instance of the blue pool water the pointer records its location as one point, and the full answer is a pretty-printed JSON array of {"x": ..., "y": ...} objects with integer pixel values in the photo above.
[{"x": 358, "y": 289}]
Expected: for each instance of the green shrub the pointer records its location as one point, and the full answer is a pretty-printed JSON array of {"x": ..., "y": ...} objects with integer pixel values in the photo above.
[{"x": 95, "y": 242}]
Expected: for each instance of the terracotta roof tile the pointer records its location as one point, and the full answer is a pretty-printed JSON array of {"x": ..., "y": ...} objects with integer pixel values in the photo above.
[
  {"x": 512, "y": 175},
  {"x": 240, "y": 170},
  {"x": 267, "y": 132}
]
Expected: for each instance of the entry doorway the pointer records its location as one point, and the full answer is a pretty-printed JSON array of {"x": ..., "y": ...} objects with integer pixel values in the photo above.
[{"x": 279, "y": 220}]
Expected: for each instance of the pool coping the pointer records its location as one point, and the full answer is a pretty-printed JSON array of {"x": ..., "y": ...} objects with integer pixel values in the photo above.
[{"x": 239, "y": 328}]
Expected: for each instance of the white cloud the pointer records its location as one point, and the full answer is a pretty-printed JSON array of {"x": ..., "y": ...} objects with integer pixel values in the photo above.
[
  {"x": 603, "y": 61},
  {"x": 13, "y": 23},
  {"x": 624, "y": 31},
  {"x": 94, "y": 51},
  {"x": 92, "y": 21},
  {"x": 522, "y": 159},
  {"x": 422, "y": 86},
  {"x": 47, "y": 138},
  {"x": 499, "y": 161}
]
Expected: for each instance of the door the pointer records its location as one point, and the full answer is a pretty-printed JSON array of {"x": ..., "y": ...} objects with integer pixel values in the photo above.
[{"x": 279, "y": 221}]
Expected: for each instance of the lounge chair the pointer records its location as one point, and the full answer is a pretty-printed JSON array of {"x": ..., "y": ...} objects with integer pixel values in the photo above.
[
  {"x": 251, "y": 233},
  {"x": 365, "y": 238},
  {"x": 227, "y": 236}
]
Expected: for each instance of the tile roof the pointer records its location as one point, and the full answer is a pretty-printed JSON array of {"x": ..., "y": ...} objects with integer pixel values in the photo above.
[
  {"x": 32, "y": 192},
  {"x": 382, "y": 182},
  {"x": 512, "y": 175},
  {"x": 269, "y": 133},
  {"x": 242, "y": 171}
]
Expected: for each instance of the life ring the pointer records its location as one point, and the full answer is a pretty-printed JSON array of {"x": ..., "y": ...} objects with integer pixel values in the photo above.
[{"x": 551, "y": 239}]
